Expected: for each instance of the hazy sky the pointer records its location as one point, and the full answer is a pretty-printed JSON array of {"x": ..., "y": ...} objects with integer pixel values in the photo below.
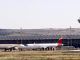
[{"x": 30, "y": 14}]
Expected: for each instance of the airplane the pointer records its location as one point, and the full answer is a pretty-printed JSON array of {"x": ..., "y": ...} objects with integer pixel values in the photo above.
[
  {"x": 10, "y": 47},
  {"x": 42, "y": 46}
]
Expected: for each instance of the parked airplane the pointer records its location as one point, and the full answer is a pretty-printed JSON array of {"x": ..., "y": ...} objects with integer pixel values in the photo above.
[
  {"x": 43, "y": 46},
  {"x": 9, "y": 47}
]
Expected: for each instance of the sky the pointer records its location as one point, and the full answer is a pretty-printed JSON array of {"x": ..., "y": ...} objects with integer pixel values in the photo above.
[{"x": 36, "y": 14}]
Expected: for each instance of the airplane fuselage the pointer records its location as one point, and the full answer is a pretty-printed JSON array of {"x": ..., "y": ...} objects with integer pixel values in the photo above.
[{"x": 45, "y": 45}]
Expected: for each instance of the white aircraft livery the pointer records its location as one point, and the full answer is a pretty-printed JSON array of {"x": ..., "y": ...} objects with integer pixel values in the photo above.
[
  {"x": 43, "y": 45},
  {"x": 12, "y": 45}
]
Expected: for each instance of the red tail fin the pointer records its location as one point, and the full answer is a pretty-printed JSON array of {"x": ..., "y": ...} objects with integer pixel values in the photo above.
[{"x": 60, "y": 42}]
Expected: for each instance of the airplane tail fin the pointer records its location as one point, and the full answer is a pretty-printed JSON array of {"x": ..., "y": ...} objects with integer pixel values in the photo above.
[{"x": 60, "y": 41}]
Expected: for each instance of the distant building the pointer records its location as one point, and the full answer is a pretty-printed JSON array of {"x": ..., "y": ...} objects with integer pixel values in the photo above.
[{"x": 25, "y": 36}]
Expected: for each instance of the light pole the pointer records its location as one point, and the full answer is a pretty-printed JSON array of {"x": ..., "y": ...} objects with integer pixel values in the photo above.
[
  {"x": 21, "y": 34},
  {"x": 78, "y": 22},
  {"x": 70, "y": 36}
]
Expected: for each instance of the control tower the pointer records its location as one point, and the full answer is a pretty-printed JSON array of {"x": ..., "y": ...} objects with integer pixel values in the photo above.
[{"x": 79, "y": 20}]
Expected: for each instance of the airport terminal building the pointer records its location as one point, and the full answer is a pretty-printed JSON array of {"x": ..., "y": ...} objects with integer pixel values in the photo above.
[{"x": 71, "y": 37}]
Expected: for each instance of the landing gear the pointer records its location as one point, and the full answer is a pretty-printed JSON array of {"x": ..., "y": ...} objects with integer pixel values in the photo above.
[
  {"x": 47, "y": 49},
  {"x": 8, "y": 49},
  {"x": 20, "y": 49}
]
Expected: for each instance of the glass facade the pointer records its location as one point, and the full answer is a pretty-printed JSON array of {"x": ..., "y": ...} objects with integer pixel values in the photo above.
[{"x": 66, "y": 42}]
